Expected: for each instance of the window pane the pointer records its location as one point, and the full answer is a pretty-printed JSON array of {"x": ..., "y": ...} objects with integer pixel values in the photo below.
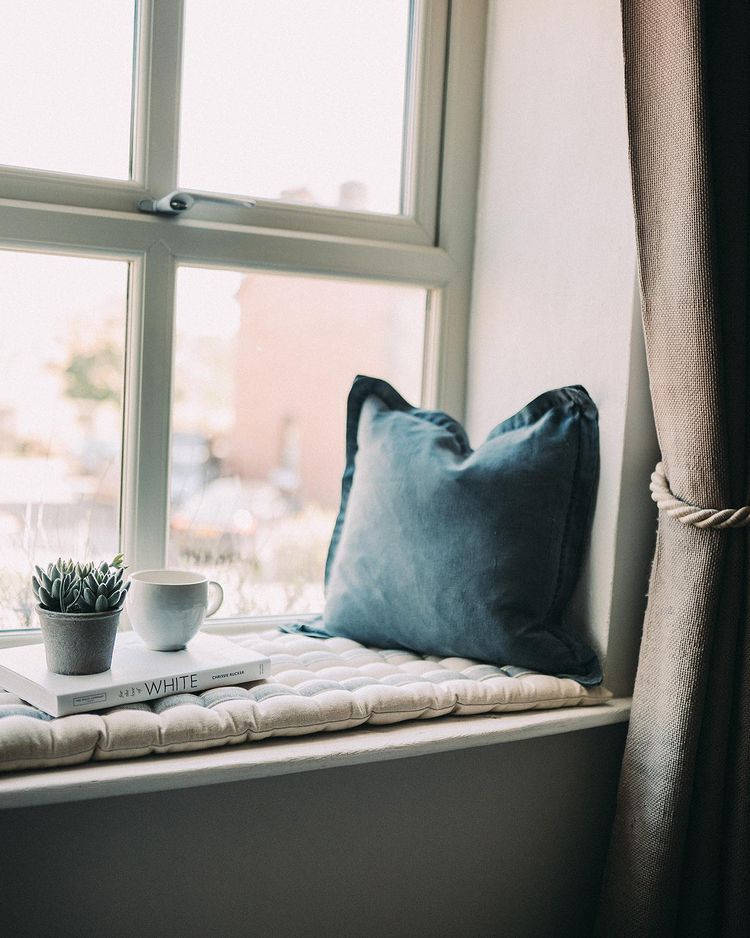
[
  {"x": 259, "y": 422},
  {"x": 61, "y": 381},
  {"x": 66, "y": 71},
  {"x": 296, "y": 101}
]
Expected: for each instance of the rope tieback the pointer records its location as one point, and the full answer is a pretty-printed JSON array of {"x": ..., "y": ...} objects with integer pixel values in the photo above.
[{"x": 691, "y": 514}]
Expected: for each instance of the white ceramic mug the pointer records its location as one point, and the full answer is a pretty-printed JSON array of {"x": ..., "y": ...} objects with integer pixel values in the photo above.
[{"x": 167, "y": 607}]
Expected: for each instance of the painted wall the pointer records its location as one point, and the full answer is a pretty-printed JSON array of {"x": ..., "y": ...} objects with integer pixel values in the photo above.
[
  {"x": 555, "y": 266},
  {"x": 506, "y": 840}
]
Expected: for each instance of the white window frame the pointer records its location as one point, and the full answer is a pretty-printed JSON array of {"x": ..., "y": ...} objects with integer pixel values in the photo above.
[{"x": 430, "y": 245}]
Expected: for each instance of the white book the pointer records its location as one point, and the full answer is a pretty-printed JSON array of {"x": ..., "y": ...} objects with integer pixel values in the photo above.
[{"x": 137, "y": 674}]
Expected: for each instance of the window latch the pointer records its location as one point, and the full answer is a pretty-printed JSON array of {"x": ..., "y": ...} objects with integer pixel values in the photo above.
[{"x": 174, "y": 203}]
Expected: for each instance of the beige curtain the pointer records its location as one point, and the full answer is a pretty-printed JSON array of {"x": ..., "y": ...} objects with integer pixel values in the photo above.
[{"x": 680, "y": 850}]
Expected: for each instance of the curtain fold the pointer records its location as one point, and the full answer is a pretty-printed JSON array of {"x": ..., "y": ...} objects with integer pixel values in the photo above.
[{"x": 679, "y": 860}]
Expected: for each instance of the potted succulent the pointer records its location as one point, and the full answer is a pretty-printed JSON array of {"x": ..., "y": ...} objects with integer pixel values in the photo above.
[{"x": 79, "y": 609}]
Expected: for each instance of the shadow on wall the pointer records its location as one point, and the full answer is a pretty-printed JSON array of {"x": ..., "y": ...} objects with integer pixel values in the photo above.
[{"x": 507, "y": 839}]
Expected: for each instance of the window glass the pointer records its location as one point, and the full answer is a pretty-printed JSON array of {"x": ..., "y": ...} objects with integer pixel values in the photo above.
[
  {"x": 263, "y": 366},
  {"x": 66, "y": 71},
  {"x": 302, "y": 102},
  {"x": 61, "y": 386}
]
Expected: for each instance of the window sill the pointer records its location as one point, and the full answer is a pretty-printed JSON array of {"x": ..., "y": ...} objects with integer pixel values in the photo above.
[
  {"x": 230, "y": 626},
  {"x": 287, "y": 756}
]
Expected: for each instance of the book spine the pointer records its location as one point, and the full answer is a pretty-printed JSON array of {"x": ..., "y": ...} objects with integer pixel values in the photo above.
[
  {"x": 140, "y": 691},
  {"x": 29, "y": 691}
]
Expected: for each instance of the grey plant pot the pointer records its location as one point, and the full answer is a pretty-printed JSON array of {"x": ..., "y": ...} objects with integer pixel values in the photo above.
[{"x": 78, "y": 642}]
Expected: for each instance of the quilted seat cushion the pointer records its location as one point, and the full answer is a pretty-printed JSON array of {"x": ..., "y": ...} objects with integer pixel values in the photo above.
[{"x": 314, "y": 686}]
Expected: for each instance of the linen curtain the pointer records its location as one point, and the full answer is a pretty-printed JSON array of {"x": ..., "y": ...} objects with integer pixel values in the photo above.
[{"x": 679, "y": 861}]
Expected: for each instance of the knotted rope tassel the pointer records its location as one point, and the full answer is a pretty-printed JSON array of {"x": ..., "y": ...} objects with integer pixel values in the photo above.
[{"x": 691, "y": 514}]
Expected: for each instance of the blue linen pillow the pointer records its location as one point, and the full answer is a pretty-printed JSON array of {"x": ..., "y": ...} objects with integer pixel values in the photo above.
[{"x": 450, "y": 551}]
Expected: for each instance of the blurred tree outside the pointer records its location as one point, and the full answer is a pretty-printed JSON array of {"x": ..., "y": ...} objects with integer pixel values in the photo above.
[{"x": 95, "y": 375}]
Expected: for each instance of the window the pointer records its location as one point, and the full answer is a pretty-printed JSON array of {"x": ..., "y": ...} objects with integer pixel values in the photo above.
[
  {"x": 258, "y": 418},
  {"x": 174, "y": 385},
  {"x": 327, "y": 130},
  {"x": 61, "y": 395}
]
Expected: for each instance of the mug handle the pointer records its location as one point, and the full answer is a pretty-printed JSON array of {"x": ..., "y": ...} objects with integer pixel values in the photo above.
[{"x": 218, "y": 598}]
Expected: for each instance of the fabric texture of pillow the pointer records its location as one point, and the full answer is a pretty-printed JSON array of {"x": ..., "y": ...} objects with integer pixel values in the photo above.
[{"x": 445, "y": 550}]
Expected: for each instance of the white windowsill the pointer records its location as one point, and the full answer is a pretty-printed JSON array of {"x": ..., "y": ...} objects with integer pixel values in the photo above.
[
  {"x": 286, "y": 756},
  {"x": 230, "y": 626}
]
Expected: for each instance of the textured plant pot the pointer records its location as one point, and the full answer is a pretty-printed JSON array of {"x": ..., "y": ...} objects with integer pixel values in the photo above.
[{"x": 78, "y": 642}]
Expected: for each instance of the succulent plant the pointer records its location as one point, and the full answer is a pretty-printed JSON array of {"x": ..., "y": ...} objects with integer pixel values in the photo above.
[{"x": 67, "y": 586}]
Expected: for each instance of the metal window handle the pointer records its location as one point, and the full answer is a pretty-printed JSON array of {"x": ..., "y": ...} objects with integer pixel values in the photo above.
[{"x": 174, "y": 203}]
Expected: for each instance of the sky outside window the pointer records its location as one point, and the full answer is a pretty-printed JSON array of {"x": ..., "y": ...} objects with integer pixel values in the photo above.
[
  {"x": 302, "y": 101},
  {"x": 62, "y": 367},
  {"x": 66, "y": 71},
  {"x": 280, "y": 99}
]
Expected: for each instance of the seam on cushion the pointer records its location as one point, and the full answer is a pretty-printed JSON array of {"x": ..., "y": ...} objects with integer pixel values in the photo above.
[
  {"x": 552, "y": 621},
  {"x": 218, "y": 739},
  {"x": 175, "y": 742},
  {"x": 362, "y": 387},
  {"x": 68, "y": 755},
  {"x": 459, "y": 702},
  {"x": 541, "y": 405},
  {"x": 300, "y": 726},
  {"x": 588, "y": 446},
  {"x": 287, "y": 726},
  {"x": 525, "y": 703},
  {"x": 566, "y": 526}
]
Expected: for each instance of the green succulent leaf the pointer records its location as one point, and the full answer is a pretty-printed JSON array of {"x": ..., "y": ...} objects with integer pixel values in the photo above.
[{"x": 70, "y": 586}]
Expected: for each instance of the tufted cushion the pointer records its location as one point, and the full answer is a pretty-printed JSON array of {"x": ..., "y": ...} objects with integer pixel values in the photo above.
[
  {"x": 313, "y": 687},
  {"x": 452, "y": 551}
]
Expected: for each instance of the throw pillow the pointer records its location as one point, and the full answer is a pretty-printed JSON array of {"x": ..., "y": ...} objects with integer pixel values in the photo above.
[{"x": 446, "y": 550}]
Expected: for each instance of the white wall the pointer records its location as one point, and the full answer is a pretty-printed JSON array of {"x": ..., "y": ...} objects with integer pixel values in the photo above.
[{"x": 555, "y": 269}]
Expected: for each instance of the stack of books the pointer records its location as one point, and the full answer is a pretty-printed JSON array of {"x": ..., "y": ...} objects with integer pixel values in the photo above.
[{"x": 137, "y": 674}]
